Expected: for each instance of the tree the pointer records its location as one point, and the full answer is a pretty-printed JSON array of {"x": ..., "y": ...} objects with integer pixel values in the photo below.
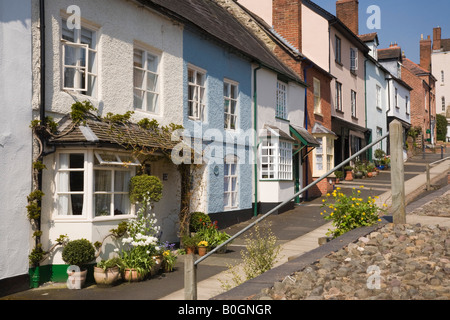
[{"x": 441, "y": 127}]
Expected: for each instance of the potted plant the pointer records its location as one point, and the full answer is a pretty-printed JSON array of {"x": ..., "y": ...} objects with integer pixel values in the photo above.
[
  {"x": 107, "y": 272},
  {"x": 78, "y": 254},
  {"x": 348, "y": 173},
  {"x": 202, "y": 248},
  {"x": 339, "y": 175},
  {"x": 190, "y": 243},
  {"x": 137, "y": 263},
  {"x": 169, "y": 260},
  {"x": 219, "y": 239}
]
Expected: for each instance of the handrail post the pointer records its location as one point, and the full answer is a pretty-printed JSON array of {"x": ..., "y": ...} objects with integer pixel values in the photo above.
[
  {"x": 190, "y": 277},
  {"x": 397, "y": 173},
  {"x": 428, "y": 178}
]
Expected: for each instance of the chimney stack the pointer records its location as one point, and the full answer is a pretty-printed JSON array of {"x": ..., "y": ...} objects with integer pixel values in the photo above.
[
  {"x": 425, "y": 53},
  {"x": 347, "y": 12},
  {"x": 437, "y": 38},
  {"x": 287, "y": 20}
]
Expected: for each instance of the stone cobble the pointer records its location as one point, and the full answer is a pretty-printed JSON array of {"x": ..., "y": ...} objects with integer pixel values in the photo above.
[
  {"x": 439, "y": 207},
  {"x": 395, "y": 262}
]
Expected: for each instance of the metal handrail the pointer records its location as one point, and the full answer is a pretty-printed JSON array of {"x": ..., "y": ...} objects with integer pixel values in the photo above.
[{"x": 289, "y": 200}]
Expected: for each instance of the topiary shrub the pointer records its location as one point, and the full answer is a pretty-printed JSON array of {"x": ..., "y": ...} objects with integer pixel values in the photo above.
[
  {"x": 78, "y": 253},
  {"x": 145, "y": 188},
  {"x": 198, "y": 220}
]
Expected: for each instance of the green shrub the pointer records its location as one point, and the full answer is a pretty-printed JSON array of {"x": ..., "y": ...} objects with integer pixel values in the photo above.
[
  {"x": 78, "y": 252},
  {"x": 350, "y": 212},
  {"x": 198, "y": 220},
  {"x": 144, "y": 187},
  {"x": 441, "y": 127}
]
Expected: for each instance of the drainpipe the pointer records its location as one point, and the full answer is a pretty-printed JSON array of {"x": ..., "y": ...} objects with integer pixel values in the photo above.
[
  {"x": 389, "y": 108},
  {"x": 35, "y": 278},
  {"x": 306, "y": 126},
  {"x": 255, "y": 147},
  {"x": 365, "y": 109}
]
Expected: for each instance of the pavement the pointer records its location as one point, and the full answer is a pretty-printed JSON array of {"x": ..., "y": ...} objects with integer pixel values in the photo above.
[{"x": 297, "y": 231}]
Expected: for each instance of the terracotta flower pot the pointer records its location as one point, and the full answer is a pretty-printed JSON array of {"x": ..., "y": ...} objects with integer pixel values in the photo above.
[
  {"x": 202, "y": 251},
  {"x": 133, "y": 275},
  {"x": 349, "y": 175},
  {"x": 106, "y": 277}
]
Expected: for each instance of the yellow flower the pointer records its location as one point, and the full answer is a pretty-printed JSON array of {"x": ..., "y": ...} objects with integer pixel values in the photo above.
[
  {"x": 166, "y": 253},
  {"x": 384, "y": 205},
  {"x": 331, "y": 207},
  {"x": 376, "y": 197},
  {"x": 203, "y": 243},
  {"x": 362, "y": 187},
  {"x": 364, "y": 213},
  {"x": 353, "y": 199},
  {"x": 321, "y": 213},
  {"x": 338, "y": 188},
  {"x": 328, "y": 194},
  {"x": 379, "y": 219},
  {"x": 331, "y": 214},
  {"x": 359, "y": 191},
  {"x": 323, "y": 200}
]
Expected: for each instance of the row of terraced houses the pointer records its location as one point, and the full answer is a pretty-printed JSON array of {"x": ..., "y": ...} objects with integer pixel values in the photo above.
[{"x": 275, "y": 93}]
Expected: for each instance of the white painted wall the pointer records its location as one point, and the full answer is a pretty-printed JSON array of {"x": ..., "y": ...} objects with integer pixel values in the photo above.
[
  {"x": 441, "y": 62},
  {"x": 277, "y": 191},
  {"x": 119, "y": 26},
  {"x": 399, "y": 112},
  {"x": 15, "y": 136}
]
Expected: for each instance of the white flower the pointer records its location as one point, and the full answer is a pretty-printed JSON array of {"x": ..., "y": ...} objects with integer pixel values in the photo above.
[
  {"x": 116, "y": 250},
  {"x": 148, "y": 252}
]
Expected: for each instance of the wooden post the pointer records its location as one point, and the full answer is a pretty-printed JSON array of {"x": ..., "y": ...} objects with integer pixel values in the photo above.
[
  {"x": 190, "y": 277},
  {"x": 397, "y": 173},
  {"x": 428, "y": 178}
]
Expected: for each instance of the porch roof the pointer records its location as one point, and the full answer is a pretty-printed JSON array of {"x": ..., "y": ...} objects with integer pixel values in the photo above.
[
  {"x": 304, "y": 136},
  {"x": 95, "y": 131}
]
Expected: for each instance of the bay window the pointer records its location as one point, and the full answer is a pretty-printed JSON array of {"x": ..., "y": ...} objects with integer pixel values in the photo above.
[
  {"x": 323, "y": 156},
  {"x": 276, "y": 160},
  {"x": 94, "y": 183}
]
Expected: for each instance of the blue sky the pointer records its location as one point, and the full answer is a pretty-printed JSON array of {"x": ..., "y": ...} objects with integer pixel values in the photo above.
[{"x": 402, "y": 21}]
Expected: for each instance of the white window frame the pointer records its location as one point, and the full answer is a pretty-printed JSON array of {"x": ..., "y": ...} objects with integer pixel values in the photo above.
[
  {"x": 229, "y": 116},
  {"x": 59, "y": 193},
  {"x": 339, "y": 96},
  {"x": 90, "y": 76},
  {"x": 443, "y": 103},
  {"x": 442, "y": 76},
  {"x": 88, "y": 212},
  {"x": 144, "y": 89},
  {"x": 317, "y": 96},
  {"x": 276, "y": 160},
  {"x": 323, "y": 156},
  {"x": 197, "y": 110},
  {"x": 231, "y": 194},
  {"x": 378, "y": 98},
  {"x": 281, "y": 100},
  {"x": 353, "y": 59},
  {"x": 353, "y": 102}
]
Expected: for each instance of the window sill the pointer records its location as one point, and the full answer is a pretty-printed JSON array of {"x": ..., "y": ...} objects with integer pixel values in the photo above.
[
  {"x": 276, "y": 180},
  {"x": 338, "y": 63},
  {"x": 194, "y": 119},
  {"x": 353, "y": 73},
  {"x": 379, "y": 109},
  {"x": 339, "y": 112},
  {"x": 354, "y": 118}
]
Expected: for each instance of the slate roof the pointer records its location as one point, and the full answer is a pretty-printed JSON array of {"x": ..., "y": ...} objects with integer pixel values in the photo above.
[
  {"x": 390, "y": 53},
  {"x": 368, "y": 37},
  {"x": 95, "y": 131},
  {"x": 209, "y": 17},
  {"x": 308, "y": 137}
]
